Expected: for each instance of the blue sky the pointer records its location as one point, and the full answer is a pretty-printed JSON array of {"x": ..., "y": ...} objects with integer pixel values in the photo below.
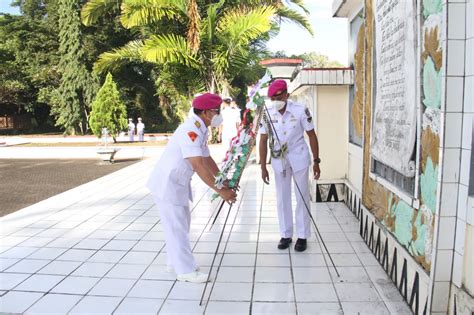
[{"x": 330, "y": 34}]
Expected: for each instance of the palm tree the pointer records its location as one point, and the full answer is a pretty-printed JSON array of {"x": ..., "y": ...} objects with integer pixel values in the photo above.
[{"x": 212, "y": 42}]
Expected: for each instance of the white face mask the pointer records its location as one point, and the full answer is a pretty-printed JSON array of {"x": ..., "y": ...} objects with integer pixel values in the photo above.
[
  {"x": 278, "y": 105},
  {"x": 217, "y": 120}
]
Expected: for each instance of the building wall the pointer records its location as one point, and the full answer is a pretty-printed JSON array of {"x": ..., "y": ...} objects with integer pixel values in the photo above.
[{"x": 332, "y": 131}]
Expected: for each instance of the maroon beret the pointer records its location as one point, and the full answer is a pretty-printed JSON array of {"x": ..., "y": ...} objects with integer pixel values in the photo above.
[
  {"x": 207, "y": 101},
  {"x": 276, "y": 88}
]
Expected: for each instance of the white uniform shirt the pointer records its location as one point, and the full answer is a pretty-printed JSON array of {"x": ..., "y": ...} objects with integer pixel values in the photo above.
[
  {"x": 131, "y": 127},
  {"x": 290, "y": 128},
  {"x": 170, "y": 180},
  {"x": 140, "y": 127}
]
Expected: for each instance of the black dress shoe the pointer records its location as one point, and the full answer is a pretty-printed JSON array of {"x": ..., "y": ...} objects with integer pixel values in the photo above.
[
  {"x": 284, "y": 243},
  {"x": 300, "y": 245}
]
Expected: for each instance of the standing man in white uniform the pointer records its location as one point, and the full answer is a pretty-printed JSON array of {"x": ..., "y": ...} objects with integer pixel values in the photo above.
[
  {"x": 131, "y": 129},
  {"x": 187, "y": 152},
  {"x": 140, "y": 129},
  {"x": 230, "y": 125},
  {"x": 290, "y": 159}
]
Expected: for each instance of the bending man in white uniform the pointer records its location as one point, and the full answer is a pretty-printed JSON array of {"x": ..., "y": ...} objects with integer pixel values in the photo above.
[
  {"x": 285, "y": 128},
  {"x": 187, "y": 152}
]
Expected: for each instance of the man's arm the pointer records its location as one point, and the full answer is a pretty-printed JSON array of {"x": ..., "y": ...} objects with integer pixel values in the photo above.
[
  {"x": 201, "y": 167},
  {"x": 262, "y": 149},
  {"x": 314, "y": 145},
  {"x": 211, "y": 165}
]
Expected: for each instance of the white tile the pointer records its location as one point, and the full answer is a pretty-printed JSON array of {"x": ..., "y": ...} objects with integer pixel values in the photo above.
[
  {"x": 39, "y": 283},
  {"x": 28, "y": 265},
  {"x": 90, "y": 269},
  {"x": 457, "y": 21},
  {"x": 186, "y": 291},
  {"x": 467, "y": 131},
  {"x": 232, "y": 292},
  {"x": 457, "y": 269},
  {"x": 455, "y": 57},
  {"x": 235, "y": 274},
  {"x": 364, "y": 308},
  {"x": 130, "y": 235},
  {"x": 77, "y": 255},
  {"x": 96, "y": 305},
  {"x": 10, "y": 280},
  {"x": 349, "y": 274},
  {"x": 219, "y": 308},
  {"x": 7, "y": 262},
  {"x": 470, "y": 19},
  {"x": 469, "y": 57},
  {"x": 440, "y": 297},
  {"x": 144, "y": 258},
  {"x": 60, "y": 267},
  {"x": 181, "y": 307},
  {"x": 319, "y": 308},
  {"x": 149, "y": 246},
  {"x": 119, "y": 245},
  {"x": 112, "y": 287},
  {"x": 311, "y": 275},
  {"x": 158, "y": 272},
  {"x": 90, "y": 243},
  {"x": 462, "y": 202},
  {"x": 346, "y": 260},
  {"x": 241, "y": 248},
  {"x": 273, "y": 308},
  {"x": 320, "y": 292},
  {"x": 18, "y": 302},
  {"x": 63, "y": 242},
  {"x": 453, "y": 130},
  {"x": 18, "y": 252},
  {"x": 273, "y": 292},
  {"x": 47, "y": 253},
  {"x": 75, "y": 285},
  {"x": 447, "y": 227},
  {"x": 151, "y": 289},
  {"x": 356, "y": 292},
  {"x": 272, "y": 274},
  {"x": 448, "y": 203},
  {"x": 465, "y": 167},
  {"x": 451, "y": 164},
  {"x": 454, "y": 94},
  {"x": 54, "y": 304},
  {"x": 469, "y": 94},
  {"x": 444, "y": 263},
  {"x": 107, "y": 256},
  {"x": 460, "y": 236},
  {"x": 239, "y": 260},
  {"x": 126, "y": 271},
  {"x": 134, "y": 306},
  {"x": 470, "y": 211}
]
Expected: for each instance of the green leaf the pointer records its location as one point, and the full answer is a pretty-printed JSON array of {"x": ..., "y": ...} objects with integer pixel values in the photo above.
[
  {"x": 146, "y": 12},
  {"x": 94, "y": 9}
]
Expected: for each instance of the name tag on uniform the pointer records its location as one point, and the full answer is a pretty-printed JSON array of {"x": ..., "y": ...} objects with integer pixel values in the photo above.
[{"x": 274, "y": 121}]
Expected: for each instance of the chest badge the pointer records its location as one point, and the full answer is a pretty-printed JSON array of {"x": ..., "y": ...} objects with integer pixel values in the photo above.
[
  {"x": 197, "y": 124},
  {"x": 192, "y": 135}
]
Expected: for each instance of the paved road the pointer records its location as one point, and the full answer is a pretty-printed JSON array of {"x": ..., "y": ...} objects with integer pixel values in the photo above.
[{"x": 25, "y": 182}]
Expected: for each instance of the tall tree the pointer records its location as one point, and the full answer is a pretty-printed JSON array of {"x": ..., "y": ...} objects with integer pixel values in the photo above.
[
  {"x": 108, "y": 110},
  {"x": 78, "y": 85}
]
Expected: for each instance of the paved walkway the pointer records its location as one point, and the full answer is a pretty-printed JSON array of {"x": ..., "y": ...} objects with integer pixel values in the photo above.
[{"x": 99, "y": 248}]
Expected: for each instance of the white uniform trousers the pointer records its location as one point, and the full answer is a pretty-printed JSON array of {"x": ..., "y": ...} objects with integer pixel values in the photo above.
[
  {"x": 176, "y": 221},
  {"x": 284, "y": 207}
]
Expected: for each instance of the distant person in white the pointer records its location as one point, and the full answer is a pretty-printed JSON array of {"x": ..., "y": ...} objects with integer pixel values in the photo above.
[
  {"x": 131, "y": 129},
  {"x": 231, "y": 116},
  {"x": 140, "y": 129}
]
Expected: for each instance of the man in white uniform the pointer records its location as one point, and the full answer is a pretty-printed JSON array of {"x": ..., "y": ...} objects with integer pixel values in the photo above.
[
  {"x": 186, "y": 152},
  {"x": 140, "y": 129},
  {"x": 231, "y": 116},
  {"x": 285, "y": 128},
  {"x": 131, "y": 129}
]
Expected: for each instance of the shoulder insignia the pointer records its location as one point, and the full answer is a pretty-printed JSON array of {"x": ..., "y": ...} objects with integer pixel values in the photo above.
[
  {"x": 307, "y": 112},
  {"x": 192, "y": 135},
  {"x": 197, "y": 124}
]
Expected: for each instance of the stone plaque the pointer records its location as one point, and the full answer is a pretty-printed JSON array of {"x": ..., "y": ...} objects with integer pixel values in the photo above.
[{"x": 394, "y": 121}]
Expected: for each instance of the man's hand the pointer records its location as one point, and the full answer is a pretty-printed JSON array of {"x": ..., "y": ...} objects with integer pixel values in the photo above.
[
  {"x": 316, "y": 171},
  {"x": 228, "y": 195},
  {"x": 265, "y": 177}
]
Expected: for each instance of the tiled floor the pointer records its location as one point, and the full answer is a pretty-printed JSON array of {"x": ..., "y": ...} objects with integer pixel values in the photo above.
[{"x": 99, "y": 248}]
